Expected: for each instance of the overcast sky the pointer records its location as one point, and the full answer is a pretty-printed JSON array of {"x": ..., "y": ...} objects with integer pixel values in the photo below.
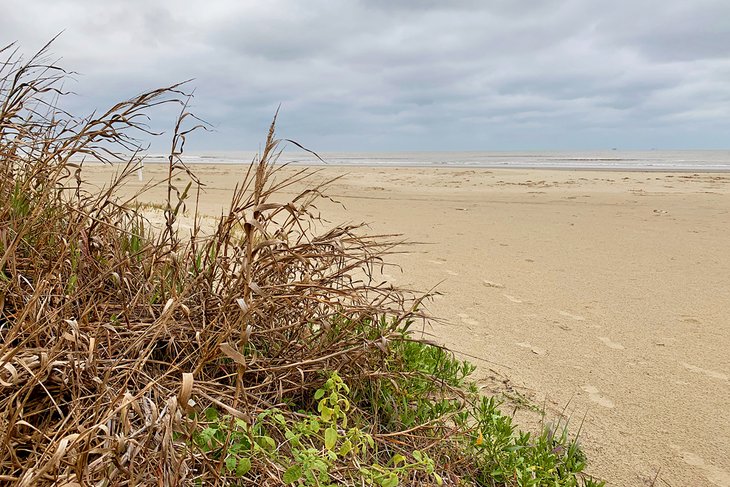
[{"x": 407, "y": 75}]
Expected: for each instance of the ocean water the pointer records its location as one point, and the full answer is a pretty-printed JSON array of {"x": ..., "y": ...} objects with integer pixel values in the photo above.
[{"x": 655, "y": 160}]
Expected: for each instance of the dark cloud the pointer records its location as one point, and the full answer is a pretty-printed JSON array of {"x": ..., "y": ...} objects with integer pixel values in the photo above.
[
  {"x": 671, "y": 31},
  {"x": 397, "y": 74}
]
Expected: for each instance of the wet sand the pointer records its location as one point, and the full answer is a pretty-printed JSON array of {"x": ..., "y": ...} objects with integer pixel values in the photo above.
[{"x": 606, "y": 294}]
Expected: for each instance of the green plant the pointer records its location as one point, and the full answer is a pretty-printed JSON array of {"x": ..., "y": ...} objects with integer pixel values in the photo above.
[
  {"x": 309, "y": 446},
  {"x": 326, "y": 448}
]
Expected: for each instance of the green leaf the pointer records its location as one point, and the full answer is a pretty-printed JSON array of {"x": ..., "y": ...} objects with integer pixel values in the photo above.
[
  {"x": 266, "y": 442},
  {"x": 389, "y": 481},
  {"x": 314, "y": 426},
  {"x": 319, "y": 394},
  {"x": 398, "y": 458},
  {"x": 417, "y": 455},
  {"x": 345, "y": 448},
  {"x": 270, "y": 441},
  {"x": 244, "y": 465},
  {"x": 438, "y": 478},
  {"x": 204, "y": 440},
  {"x": 231, "y": 463},
  {"x": 211, "y": 414},
  {"x": 292, "y": 474},
  {"x": 292, "y": 437},
  {"x": 330, "y": 438},
  {"x": 326, "y": 413}
]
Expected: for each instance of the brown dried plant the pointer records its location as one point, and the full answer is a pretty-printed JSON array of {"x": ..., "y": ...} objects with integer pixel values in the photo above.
[{"x": 112, "y": 333}]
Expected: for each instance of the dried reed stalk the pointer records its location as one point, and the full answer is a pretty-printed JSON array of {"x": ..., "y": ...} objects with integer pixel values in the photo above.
[{"x": 112, "y": 332}]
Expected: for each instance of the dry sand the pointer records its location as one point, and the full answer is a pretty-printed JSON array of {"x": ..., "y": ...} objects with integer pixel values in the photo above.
[{"x": 605, "y": 293}]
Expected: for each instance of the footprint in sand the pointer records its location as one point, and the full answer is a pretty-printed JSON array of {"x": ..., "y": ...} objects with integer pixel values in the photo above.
[
  {"x": 611, "y": 344},
  {"x": 595, "y": 395},
  {"x": 535, "y": 350},
  {"x": 714, "y": 474},
  {"x": 467, "y": 320},
  {"x": 451, "y": 273},
  {"x": 512, "y": 298},
  {"x": 691, "y": 320},
  {"x": 492, "y": 284},
  {"x": 709, "y": 373},
  {"x": 571, "y": 315}
]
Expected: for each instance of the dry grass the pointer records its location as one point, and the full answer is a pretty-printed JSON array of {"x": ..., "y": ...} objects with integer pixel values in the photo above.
[{"x": 112, "y": 333}]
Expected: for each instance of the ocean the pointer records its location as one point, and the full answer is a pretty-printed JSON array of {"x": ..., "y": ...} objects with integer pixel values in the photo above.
[{"x": 654, "y": 160}]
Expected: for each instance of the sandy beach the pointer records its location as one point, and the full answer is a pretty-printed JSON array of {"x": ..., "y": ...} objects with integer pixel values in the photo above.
[{"x": 604, "y": 294}]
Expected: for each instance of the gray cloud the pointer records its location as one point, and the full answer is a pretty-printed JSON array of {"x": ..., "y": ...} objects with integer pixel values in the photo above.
[{"x": 398, "y": 74}]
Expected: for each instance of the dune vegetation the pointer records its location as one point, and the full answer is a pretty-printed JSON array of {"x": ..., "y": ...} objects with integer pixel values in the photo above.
[{"x": 261, "y": 350}]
